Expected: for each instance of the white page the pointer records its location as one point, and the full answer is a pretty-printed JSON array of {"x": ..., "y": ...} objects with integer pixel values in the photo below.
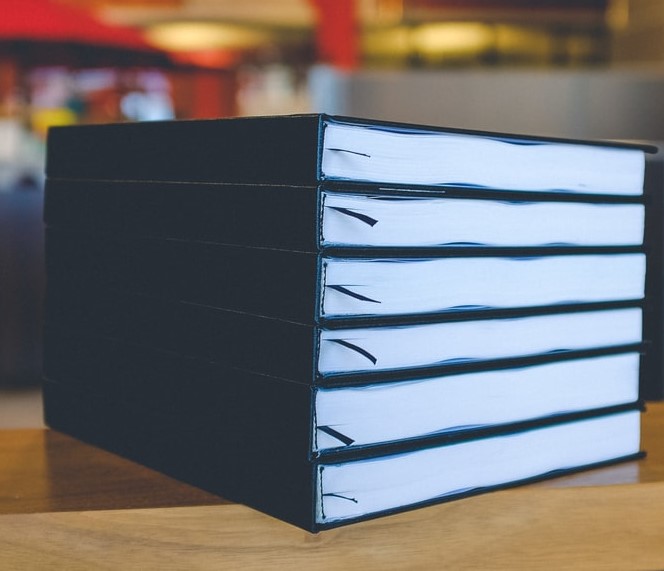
[
  {"x": 368, "y": 486},
  {"x": 392, "y": 286},
  {"x": 379, "y": 154},
  {"x": 390, "y": 411},
  {"x": 397, "y": 347},
  {"x": 422, "y": 221}
]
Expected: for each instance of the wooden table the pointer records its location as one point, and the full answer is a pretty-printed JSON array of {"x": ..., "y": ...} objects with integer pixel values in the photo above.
[{"x": 66, "y": 505}]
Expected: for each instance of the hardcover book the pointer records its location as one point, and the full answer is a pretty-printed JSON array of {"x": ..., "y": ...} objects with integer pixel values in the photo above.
[
  {"x": 306, "y": 149},
  {"x": 319, "y": 218}
]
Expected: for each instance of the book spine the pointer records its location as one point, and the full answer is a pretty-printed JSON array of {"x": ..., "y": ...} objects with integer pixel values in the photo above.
[
  {"x": 277, "y": 347},
  {"x": 275, "y": 283},
  {"x": 252, "y": 215},
  {"x": 262, "y": 434},
  {"x": 269, "y": 150}
]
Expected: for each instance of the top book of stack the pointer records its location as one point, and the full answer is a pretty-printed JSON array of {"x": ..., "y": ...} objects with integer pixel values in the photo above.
[{"x": 313, "y": 149}]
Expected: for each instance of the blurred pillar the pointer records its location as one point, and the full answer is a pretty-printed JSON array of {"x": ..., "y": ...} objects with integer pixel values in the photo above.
[
  {"x": 337, "y": 33},
  {"x": 214, "y": 95},
  {"x": 21, "y": 261},
  {"x": 21, "y": 284},
  {"x": 203, "y": 94},
  {"x": 9, "y": 87}
]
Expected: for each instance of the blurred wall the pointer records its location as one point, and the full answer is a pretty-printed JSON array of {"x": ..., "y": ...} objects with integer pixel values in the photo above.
[
  {"x": 21, "y": 284},
  {"x": 591, "y": 103}
]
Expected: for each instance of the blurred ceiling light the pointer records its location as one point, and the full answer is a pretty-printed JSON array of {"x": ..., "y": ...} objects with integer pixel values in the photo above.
[
  {"x": 195, "y": 36},
  {"x": 452, "y": 38},
  {"x": 512, "y": 40},
  {"x": 268, "y": 13},
  {"x": 617, "y": 14},
  {"x": 380, "y": 12},
  {"x": 385, "y": 42},
  {"x": 208, "y": 59}
]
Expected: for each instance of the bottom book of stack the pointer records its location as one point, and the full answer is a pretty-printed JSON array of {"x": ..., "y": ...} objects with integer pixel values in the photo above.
[{"x": 323, "y": 456}]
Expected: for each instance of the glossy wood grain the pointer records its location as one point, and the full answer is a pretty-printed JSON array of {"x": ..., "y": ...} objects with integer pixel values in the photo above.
[
  {"x": 44, "y": 471},
  {"x": 611, "y": 518},
  {"x": 606, "y": 527}
]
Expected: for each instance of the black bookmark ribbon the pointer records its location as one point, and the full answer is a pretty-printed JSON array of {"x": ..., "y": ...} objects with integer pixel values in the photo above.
[
  {"x": 336, "y": 434},
  {"x": 363, "y": 217},
  {"x": 330, "y": 495},
  {"x": 355, "y": 348},
  {"x": 350, "y": 293},
  {"x": 337, "y": 150}
]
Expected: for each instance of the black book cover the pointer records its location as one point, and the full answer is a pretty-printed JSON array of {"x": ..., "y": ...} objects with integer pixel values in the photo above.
[
  {"x": 272, "y": 216},
  {"x": 281, "y": 150}
]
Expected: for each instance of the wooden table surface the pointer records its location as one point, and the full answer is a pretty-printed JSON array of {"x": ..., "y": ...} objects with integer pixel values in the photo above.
[{"x": 67, "y": 505}]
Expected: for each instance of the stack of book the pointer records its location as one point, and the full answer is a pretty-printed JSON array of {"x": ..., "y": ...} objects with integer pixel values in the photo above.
[{"x": 331, "y": 319}]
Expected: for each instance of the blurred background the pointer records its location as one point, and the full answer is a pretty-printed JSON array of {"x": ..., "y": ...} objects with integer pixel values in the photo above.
[{"x": 574, "y": 68}]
